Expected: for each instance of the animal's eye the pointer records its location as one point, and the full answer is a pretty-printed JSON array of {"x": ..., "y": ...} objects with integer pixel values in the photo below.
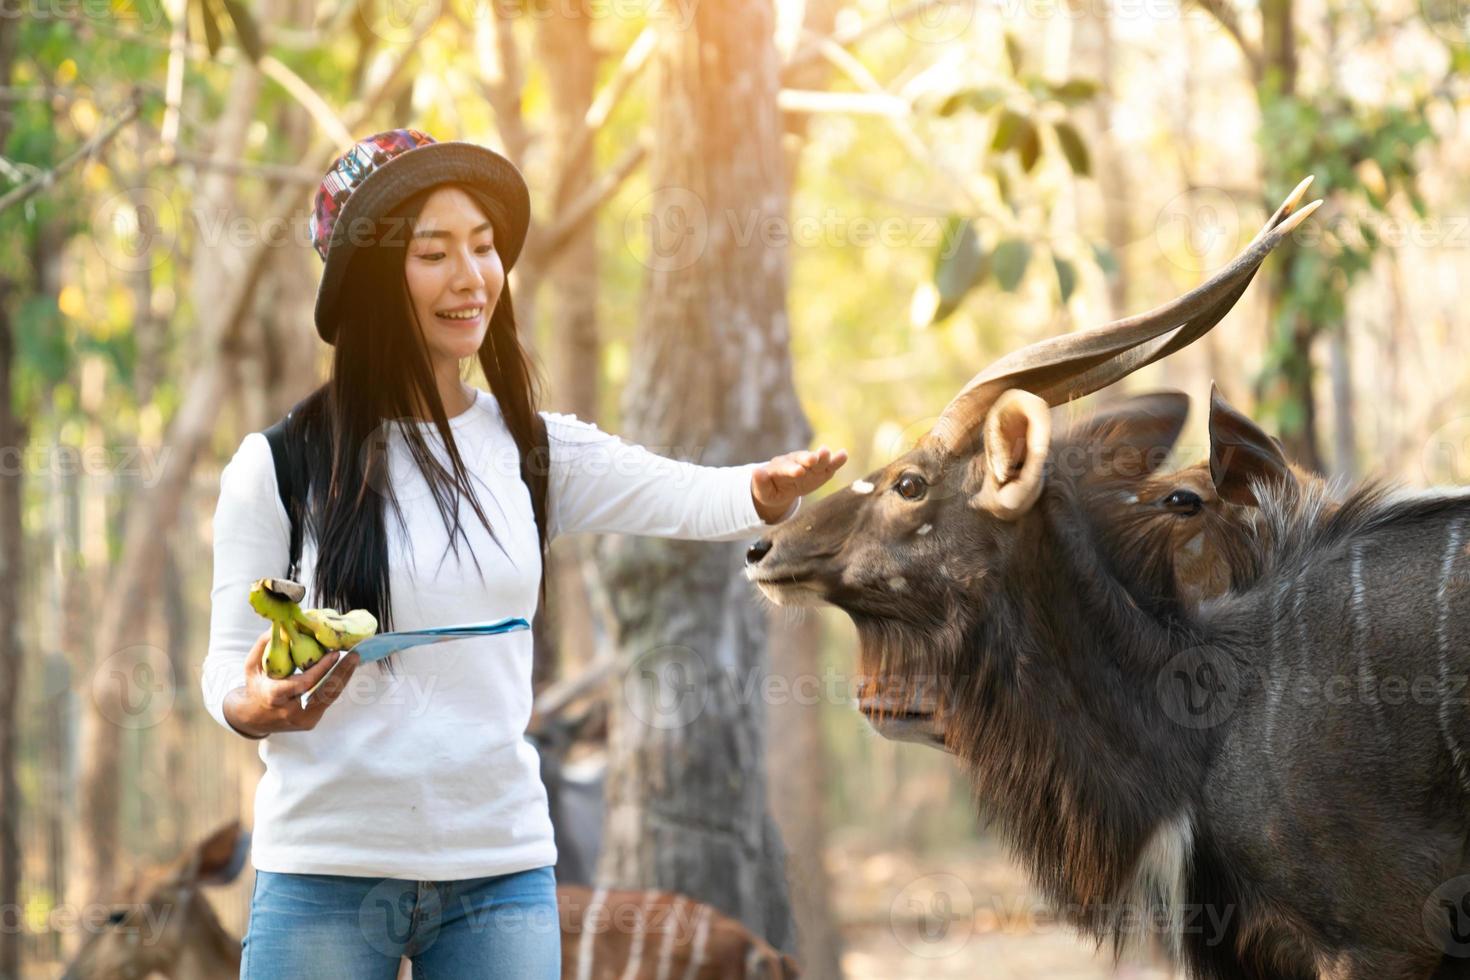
[
  {"x": 1184, "y": 502},
  {"x": 911, "y": 486}
]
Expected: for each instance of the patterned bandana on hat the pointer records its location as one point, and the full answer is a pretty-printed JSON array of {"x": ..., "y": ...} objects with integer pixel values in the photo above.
[
  {"x": 351, "y": 169},
  {"x": 379, "y": 172}
]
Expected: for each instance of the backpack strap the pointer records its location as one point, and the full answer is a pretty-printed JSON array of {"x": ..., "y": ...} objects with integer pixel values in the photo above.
[
  {"x": 536, "y": 472},
  {"x": 291, "y": 497},
  {"x": 535, "y": 468}
]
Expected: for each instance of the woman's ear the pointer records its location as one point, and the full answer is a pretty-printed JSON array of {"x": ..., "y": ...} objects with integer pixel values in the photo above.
[{"x": 1013, "y": 458}]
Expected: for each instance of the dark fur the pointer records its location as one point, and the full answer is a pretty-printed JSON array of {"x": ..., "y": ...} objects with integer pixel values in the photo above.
[{"x": 1319, "y": 831}]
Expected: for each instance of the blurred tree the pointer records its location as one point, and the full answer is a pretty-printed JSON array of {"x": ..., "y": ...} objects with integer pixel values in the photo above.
[
  {"x": 799, "y": 758},
  {"x": 711, "y": 377},
  {"x": 996, "y": 236},
  {"x": 1362, "y": 157},
  {"x": 13, "y": 438}
]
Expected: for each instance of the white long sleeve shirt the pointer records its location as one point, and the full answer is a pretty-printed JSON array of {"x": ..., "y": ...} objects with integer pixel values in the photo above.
[{"x": 427, "y": 775}]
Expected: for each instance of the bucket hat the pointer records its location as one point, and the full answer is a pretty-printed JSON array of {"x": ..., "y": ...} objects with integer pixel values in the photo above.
[{"x": 379, "y": 172}]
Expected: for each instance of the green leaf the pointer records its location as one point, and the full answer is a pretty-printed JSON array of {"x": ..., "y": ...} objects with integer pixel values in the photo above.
[
  {"x": 1075, "y": 91},
  {"x": 1066, "y": 277},
  {"x": 1002, "y": 183},
  {"x": 245, "y": 29},
  {"x": 1074, "y": 149},
  {"x": 1013, "y": 53},
  {"x": 210, "y": 21},
  {"x": 1028, "y": 144},
  {"x": 41, "y": 340},
  {"x": 1417, "y": 200},
  {"x": 978, "y": 99},
  {"x": 959, "y": 266},
  {"x": 1106, "y": 261},
  {"x": 1009, "y": 262},
  {"x": 1007, "y": 125}
]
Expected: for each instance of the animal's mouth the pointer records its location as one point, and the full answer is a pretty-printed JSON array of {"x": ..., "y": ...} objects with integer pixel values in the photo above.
[
  {"x": 904, "y": 721},
  {"x": 787, "y": 587}
]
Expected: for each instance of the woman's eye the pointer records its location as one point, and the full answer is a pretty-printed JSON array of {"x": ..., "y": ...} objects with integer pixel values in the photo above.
[
  {"x": 485, "y": 249},
  {"x": 1184, "y": 502},
  {"x": 432, "y": 255},
  {"x": 910, "y": 486}
]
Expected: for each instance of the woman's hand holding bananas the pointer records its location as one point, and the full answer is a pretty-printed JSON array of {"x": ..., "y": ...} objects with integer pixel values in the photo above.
[{"x": 300, "y": 640}]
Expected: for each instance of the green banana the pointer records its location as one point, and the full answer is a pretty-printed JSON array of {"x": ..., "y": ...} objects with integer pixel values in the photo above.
[
  {"x": 298, "y": 637},
  {"x": 278, "y": 662},
  {"x": 305, "y": 650},
  {"x": 338, "y": 631},
  {"x": 271, "y": 604}
]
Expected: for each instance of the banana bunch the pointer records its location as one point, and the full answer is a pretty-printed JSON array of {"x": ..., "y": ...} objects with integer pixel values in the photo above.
[{"x": 301, "y": 637}]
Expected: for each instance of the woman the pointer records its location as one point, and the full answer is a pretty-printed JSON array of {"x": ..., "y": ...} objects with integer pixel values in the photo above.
[{"x": 407, "y": 818}]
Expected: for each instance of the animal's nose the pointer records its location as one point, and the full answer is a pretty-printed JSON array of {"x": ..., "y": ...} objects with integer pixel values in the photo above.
[{"x": 757, "y": 551}]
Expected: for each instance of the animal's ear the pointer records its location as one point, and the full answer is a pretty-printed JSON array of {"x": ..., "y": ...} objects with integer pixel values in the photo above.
[
  {"x": 1017, "y": 440},
  {"x": 219, "y": 858},
  {"x": 1138, "y": 433},
  {"x": 1241, "y": 453}
]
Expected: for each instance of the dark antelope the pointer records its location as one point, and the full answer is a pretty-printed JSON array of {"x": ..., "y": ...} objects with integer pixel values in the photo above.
[
  {"x": 1277, "y": 780},
  {"x": 1187, "y": 535}
]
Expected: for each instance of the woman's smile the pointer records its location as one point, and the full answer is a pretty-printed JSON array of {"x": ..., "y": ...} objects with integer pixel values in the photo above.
[{"x": 465, "y": 314}]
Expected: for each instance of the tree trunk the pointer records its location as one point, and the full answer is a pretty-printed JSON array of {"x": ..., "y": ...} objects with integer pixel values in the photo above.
[
  {"x": 13, "y": 437},
  {"x": 123, "y": 614},
  {"x": 1295, "y": 372},
  {"x": 798, "y": 787},
  {"x": 711, "y": 379},
  {"x": 798, "y": 748},
  {"x": 1097, "y": 57},
  {"x": 179, "y": 646},
  {"x": 565, "y": 47}
]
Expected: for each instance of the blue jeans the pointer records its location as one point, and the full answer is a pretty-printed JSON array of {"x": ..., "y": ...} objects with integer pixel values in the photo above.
[{"x": 330, "y": 927}]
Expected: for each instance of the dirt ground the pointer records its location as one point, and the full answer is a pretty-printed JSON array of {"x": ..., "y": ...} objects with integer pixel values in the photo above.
[
  {"x": 969, "y": 913},
  {"x": 966, "y": 913}
]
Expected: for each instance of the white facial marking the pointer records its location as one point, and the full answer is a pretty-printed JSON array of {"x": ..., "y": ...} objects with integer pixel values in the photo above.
[
  {"x": 897, "y": 583},
  {"x": 861, "y": 486},
  {"x": 925, "y": 529}
]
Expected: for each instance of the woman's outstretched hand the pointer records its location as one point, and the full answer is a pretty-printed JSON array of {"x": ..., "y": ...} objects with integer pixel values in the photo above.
[{"x": 774, "y": 485}]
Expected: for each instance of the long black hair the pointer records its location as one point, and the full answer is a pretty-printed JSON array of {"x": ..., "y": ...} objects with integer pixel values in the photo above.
[{"x": 381, "y": 370}]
